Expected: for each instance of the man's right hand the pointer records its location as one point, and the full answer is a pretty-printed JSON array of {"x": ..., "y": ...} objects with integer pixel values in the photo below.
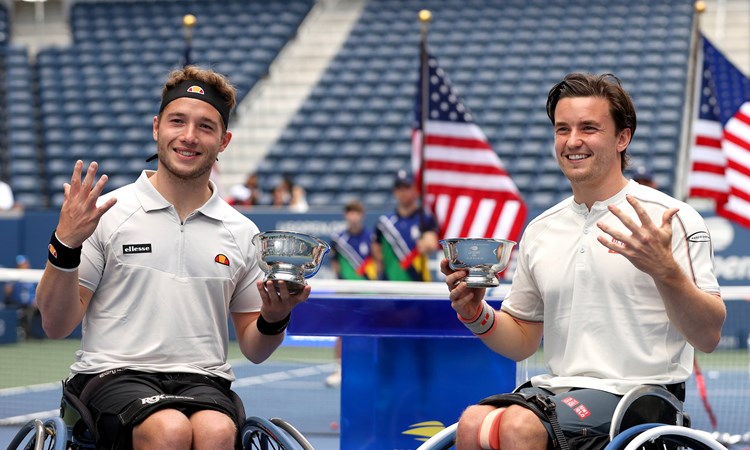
[
  {"x": 79, "y": 214},
  {"x": 464, "y": 300}
]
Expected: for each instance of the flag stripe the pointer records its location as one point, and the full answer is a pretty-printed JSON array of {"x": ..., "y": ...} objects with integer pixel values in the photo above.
[
  {"x": 710, "y": 168},
  {"x": 465, "y": 183},
  {"x": 462, "y": 143},
  {"x": 720, "y": 157},
  {"x": 466, "y": 168},
  {"x": 708, "y": 141},
  {"x": 460, "y": 155}
]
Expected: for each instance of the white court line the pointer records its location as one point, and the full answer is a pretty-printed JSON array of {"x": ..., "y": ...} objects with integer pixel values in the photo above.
[
  {"x": 20, "y": 420},
  {"x": 6, "y": 392},
  {"x": 240, "y": 382}
]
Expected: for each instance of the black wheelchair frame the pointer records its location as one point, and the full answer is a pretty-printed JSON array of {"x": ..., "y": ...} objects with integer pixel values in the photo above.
[{"x": 71, "y": 430}]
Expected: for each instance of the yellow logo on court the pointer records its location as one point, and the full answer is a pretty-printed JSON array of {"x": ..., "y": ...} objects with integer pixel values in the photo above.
[{"x": 424, "y": 430}]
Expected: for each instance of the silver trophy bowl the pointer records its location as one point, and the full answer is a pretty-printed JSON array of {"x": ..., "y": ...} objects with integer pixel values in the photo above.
[
  {"x": 483, "y": 257},
  {"x": 289, "y": 256}
]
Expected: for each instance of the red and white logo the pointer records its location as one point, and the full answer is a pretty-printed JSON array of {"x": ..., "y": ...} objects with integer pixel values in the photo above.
[{"x": 582, "y": 411}]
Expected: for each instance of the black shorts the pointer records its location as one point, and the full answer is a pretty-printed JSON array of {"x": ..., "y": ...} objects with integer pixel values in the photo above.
[
  {"x": 121, "y": 399},
  {"x": 584, "y": 415}
]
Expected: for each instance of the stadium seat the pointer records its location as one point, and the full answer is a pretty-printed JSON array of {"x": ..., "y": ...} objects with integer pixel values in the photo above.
[{"x": 501, "y": 59}]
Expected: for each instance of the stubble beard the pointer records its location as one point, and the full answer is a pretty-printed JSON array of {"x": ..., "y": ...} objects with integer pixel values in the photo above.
[{"x": 186, "y": 175}]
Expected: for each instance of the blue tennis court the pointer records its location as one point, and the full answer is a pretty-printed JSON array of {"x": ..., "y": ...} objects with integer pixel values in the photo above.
[{"x": 295, "y": 392}]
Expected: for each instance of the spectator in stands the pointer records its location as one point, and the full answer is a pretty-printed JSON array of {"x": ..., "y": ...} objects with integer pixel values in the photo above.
[
  {"x": 351, "y": 259},
  {"x": 618, "y": 279},
  {"x": 155, "y": 269},
  {"x": 22, "y": 296},
  {"x": 643, "y": 175},
  {"x": 405, "y": 239},
  {"x": 7, "y": 200},
  {"x": 246, "y": 195},
  {"x": 290, "y": 195}
]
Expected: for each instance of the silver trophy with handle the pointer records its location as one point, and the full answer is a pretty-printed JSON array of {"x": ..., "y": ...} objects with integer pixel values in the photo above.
[
  {"x": 483, "y": 257},
  {"x": 289, "y": 256}
]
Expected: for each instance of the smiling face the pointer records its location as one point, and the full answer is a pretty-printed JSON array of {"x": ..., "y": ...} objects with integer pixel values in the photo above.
[
  {"x": 587, "y": 145},
  {"x": 189, "y": 136}
]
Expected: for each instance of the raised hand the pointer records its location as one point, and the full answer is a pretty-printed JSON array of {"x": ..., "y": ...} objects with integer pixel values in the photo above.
[
  {"x": 278, "y": 302},
  {"x": 648, "y": 246},
  {"x": 464, "y": 300},
  {"x": 79, "y": 214}
]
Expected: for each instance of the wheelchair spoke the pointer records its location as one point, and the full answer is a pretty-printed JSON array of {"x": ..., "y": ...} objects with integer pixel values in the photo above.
[{"x": 261, "y": 434}]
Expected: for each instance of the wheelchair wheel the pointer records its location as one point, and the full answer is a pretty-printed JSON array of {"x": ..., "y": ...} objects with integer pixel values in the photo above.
[
  {"x": 50, "y": 434},
  {"x": 659, "y": 436},
  {"x": 261, "y": 434},
  {"x": 443, "y": 440},
  {"x": 293, "y": 432},
  {"x": 681, "y": 437}
]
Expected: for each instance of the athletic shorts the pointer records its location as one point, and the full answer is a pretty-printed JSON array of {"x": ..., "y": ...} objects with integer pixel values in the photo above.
[
  {"x": 121, "y": 399},
  {"x": 584, "y": 415}
]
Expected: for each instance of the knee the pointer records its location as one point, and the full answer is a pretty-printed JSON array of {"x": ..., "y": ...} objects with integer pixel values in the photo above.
[
  {"x": 212, "y": 429},
  {"x": 467, "y": 433},
  {"x": 518, "y": 428},
  {"x": 164, "y": 429},
  {"x": 520, "y": 424}
]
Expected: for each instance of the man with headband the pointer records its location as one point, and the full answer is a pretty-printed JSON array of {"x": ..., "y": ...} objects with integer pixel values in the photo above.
[{"x": 154, "y": 270}]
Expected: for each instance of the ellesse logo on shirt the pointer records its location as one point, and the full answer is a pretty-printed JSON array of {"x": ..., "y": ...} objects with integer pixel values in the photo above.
[{"x": 136, "y": 248}]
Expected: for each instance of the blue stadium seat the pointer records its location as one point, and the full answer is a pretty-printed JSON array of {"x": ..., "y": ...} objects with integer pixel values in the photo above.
[
  {"x": 501, "y": 57},
  {"x": 112, "y": 74}
]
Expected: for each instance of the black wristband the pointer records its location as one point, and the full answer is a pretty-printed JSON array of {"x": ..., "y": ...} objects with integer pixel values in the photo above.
[
  {"x": 62, "y": 256},
  {"x": 272, "y": 328}
]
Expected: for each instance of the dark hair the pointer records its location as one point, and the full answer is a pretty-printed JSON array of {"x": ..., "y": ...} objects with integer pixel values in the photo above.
[
  {"x": 354, "y": 205},
  {"x": 606, "y": 86},
  {"x": 226, "y": 91}
]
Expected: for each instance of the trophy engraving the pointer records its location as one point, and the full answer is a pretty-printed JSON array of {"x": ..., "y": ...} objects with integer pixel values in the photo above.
[
  {"x": 483, "y": 257},
  {"x": 289, "y": 256}
]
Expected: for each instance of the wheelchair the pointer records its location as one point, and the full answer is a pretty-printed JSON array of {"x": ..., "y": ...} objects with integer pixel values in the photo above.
[
  {"x": 72, "y": 430},
  {"x": 646, "y": 418}
]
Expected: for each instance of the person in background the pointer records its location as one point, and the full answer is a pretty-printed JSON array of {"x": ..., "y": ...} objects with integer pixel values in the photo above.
[
  {"x": 290, "y": 195},
  {"x": 644, "y": 176},
  {"x": 155, "y": 270},
  {"x": 618, "y": 279},
  {"x": 351, "y": 259},
  {"x": 405, "y": 239},
  {"x": 246, "y": 195},
  {"x": 22, "y": 296},
  {"x": 7, "y": 199}
]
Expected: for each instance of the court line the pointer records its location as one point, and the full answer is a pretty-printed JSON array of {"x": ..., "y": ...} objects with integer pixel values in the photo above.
[
  {"x": 6, "y": 392},
  {"x": 238, "y": 383}
]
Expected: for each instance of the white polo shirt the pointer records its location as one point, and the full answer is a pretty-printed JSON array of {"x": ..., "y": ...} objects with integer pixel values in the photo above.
[
  {"x": 163, "y": 289},
  {"x": 605, "y": 324}
]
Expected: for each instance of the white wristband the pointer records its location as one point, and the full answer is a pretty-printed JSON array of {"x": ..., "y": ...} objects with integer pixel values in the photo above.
[{"x": 483, "y": 322}]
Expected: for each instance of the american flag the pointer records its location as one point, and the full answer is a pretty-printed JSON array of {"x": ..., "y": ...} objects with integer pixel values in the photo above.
[
  {"x": 466, "y": 185},
  {"x": 720, "y": 156}
]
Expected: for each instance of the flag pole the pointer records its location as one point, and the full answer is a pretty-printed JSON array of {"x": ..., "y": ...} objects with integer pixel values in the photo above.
[
  {"x": 188, "y": 22},
  {"x": 424, "y": 19},
  {"x": 683, "y": 164}
]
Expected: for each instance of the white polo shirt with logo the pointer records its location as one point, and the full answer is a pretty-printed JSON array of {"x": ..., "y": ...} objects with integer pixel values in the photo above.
[
  {"x": 163, "y": 289},
  {"x": 605, "y": 324}
]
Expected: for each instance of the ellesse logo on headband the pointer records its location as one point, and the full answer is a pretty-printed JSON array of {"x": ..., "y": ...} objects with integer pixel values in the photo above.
[
  {"x": 128, "y": 249},
  {"x": 196, "y": 90}
]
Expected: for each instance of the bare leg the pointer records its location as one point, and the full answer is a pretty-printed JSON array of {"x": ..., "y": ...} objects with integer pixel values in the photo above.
[
  {"x": 165, "y": 429},
  {"x": 213, "y": 430},
  {"x": 520, "y": 429}
]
